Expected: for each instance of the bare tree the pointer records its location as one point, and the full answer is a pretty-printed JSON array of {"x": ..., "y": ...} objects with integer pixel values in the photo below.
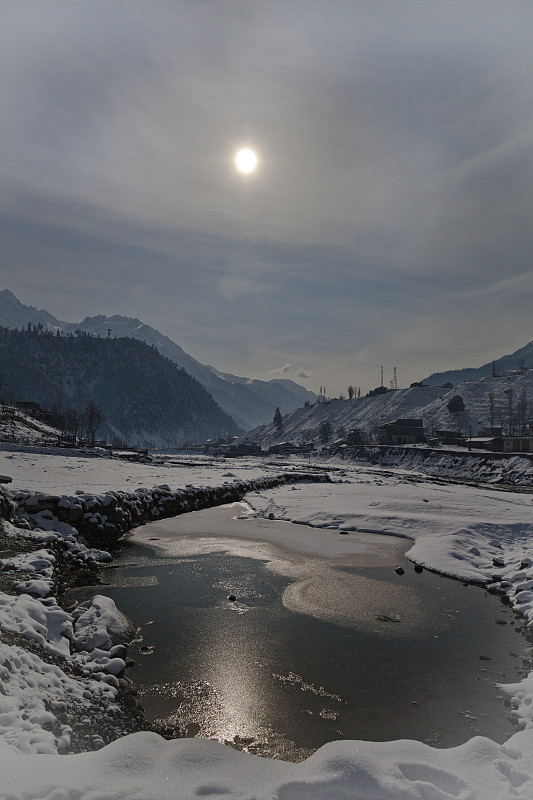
[
  {"x": 92, "y": 418},
  {"x": 509, "y": 393},
  {"x": 491, "y": 407},
  {"x": 351, "y": 392},
  {"x": 73, "y": 421},
  {"x": 521, "y": 411}
]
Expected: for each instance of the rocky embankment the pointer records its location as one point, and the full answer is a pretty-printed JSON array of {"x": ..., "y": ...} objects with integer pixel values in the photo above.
[
  {"x": 101, "y": 519},
  {"x": 499, "y": 469}
]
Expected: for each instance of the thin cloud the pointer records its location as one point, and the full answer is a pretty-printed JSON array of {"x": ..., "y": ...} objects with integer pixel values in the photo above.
[{"x": 393, "y": 192}]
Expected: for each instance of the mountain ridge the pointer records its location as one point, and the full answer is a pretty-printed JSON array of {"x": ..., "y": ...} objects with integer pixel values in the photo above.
[
  {"x": 250, "y": 402},
  {"x": 499, "y": 365},
  {"x": 145, "y": 398}
]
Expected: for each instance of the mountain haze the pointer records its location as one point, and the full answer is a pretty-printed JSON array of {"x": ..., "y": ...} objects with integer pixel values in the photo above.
[{"x": 250, "y": 402}]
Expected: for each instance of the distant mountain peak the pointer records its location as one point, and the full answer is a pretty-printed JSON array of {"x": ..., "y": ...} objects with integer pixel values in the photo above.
[{"x": 13, "y": 314}]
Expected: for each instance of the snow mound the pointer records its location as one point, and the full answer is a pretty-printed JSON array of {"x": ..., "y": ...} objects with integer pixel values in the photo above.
[
  {"x": 99, "y": 624},
  {"x": 32, "y": 694},
  {"x": 41, "y": 621}
]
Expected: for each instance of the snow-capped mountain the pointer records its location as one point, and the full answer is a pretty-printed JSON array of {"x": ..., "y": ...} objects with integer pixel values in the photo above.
[{"x": 249, "y": 402}]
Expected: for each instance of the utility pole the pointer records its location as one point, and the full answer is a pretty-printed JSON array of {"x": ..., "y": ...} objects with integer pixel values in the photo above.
[
  {"x": 382, "y": 375},
  {"x": 395, "y": 379}
]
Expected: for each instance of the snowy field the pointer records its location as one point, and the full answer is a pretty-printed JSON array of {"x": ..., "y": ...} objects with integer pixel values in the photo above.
[
  {"x": 474, "y": 534},
  {"x": 54, "y": 472}
]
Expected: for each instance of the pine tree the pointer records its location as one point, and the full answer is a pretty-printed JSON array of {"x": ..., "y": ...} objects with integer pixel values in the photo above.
[{"x": 278, "y": 419}]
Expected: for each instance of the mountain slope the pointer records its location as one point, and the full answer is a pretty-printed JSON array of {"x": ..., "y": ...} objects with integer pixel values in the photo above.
[
  {"x": 249, "y": 402},
  {"x": 146, "y": 399},
  {"x": 423, "y": 402}
]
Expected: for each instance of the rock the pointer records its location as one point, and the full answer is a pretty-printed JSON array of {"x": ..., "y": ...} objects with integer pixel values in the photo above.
[
  {"x": 500, "y": 621},
  {"x": 271, "y": 516},
  {"x": 418, "y": 568},
  {"x": 498, "y": 562},
  {"x": 485, "y": 658},
  {"x": 75, "y": 513},
  {"x": 32, "y": 502},
  {"x": 399, "y": 571},
  {"x": 388, "y": 618},
  {"x": 232, "y": 597},
  {"x": 129, "y": 700},
  {"x": 118, "y": 651}
]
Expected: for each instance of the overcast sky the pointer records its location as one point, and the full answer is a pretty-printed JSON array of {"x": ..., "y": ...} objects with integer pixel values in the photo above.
[{"x": 390, "y": 220}]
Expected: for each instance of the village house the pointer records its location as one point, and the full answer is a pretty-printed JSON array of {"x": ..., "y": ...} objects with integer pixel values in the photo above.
[{"x": 402, "y": 431}]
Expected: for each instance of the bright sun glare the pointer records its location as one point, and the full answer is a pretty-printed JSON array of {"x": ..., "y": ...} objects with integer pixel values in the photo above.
[{"x": 246, "y": 160}]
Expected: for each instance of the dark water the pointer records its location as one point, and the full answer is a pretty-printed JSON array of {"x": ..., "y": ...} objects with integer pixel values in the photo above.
[{"x": 281, "y": 683}]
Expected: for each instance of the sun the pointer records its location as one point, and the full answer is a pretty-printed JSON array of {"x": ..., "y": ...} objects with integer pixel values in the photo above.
[{"x": 246, "y": 160}]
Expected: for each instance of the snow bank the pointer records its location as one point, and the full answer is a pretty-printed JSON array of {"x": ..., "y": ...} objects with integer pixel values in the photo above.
[
  {"x": 146, "y": 766},
  {"x": 458, "y": 530},
  {"x": 33, "y": 693},
  {"x": 522, "y": 700},
  {"x": 43, "y": 622}
]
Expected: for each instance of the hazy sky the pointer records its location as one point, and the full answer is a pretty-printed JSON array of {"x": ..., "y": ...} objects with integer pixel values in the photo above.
[{"x": 390, "y": 220}]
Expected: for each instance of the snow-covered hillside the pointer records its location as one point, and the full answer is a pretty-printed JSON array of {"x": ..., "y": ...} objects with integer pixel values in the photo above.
[
  {"x": 15, "y": 426},
  {"x": 426, "y": 402},
  {"x": 249, "y": 402}
]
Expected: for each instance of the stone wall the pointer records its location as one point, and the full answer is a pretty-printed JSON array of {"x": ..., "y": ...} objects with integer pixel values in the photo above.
[{"x": 102, "y": 518}]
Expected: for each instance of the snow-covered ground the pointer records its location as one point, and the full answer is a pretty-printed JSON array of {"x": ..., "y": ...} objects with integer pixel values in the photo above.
[
  {"x": 473, "y": 534},
  {"x": 59, "y": 473}
]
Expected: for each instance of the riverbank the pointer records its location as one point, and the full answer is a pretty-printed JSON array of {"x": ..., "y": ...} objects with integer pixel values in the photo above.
[
  {"x": 507, "y": 470},
  {"x": 47, "y": 544},
  {"x": 500, "y": 533}
]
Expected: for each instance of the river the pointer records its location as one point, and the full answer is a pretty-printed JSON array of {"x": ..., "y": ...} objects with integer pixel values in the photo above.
[{"x": 277, "y": 648}]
